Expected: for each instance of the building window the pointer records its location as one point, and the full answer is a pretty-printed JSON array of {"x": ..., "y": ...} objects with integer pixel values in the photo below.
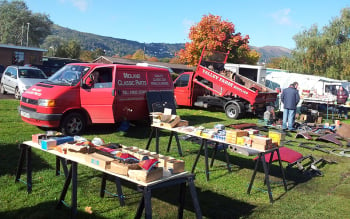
[{"x": 18, "y": 58}]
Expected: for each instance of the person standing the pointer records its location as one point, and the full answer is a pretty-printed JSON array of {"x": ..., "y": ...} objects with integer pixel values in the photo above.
[
  {"x": 342, "y": 96},
  {"x": 290, "y": 99}
]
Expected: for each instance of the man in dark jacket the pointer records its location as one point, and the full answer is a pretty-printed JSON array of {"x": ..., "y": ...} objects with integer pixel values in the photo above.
[
  {"x": 290, "y": 98},
  {"x": 342, "y": 96}
]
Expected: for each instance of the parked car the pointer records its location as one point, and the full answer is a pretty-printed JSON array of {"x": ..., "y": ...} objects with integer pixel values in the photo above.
[{"x": 16, "y": 79}]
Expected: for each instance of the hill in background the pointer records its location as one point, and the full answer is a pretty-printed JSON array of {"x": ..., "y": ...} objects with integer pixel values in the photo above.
[{"x": 114, "y": 46}]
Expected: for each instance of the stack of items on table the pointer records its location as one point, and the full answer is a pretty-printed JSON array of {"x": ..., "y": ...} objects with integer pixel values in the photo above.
[
  {"x": 166, "y": 119},
  {"x": 248, "y": 137},
  {"x": 136, "y": 163}
]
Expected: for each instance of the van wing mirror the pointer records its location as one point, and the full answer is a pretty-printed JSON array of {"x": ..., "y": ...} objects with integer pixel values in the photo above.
[{"x": 89, "y": 81}]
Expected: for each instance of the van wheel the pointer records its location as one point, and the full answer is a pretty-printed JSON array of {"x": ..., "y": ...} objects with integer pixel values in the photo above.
[
  {"x": 73, "y": 124},
  {"x": 2, "y": 89},
  {"x": 232, "y": 111},
  {"x": 17, "y": 94}
]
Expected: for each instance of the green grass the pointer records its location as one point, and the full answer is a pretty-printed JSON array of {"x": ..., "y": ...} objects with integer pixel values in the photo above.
[{"x": 224, "y": 196}]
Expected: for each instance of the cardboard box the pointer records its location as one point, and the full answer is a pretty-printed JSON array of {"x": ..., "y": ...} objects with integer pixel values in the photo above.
[
  {"x": 262, "y": 147},
  {"x": 277, "y": 137},
  {"x": 247, "y": 141},
  {"x": 240, "y": 140},
  {"x": 173, "y": 121},
  {"x": 48, "y": 144},
  {"x": 36, "y": 138},
  {"x": 182, "y": 123},
  {"x": 146, "y": 176},
  {"x": 176, "y": 166},
  {"x": 62, "y": 140},
  {"x": 99, "y": 160},
  {"x": 122, "y": 168},
  {"x": 261, "y": 140}
]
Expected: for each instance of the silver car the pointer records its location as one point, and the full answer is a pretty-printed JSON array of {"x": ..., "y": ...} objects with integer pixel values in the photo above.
[{"x": 16, "y": 79}]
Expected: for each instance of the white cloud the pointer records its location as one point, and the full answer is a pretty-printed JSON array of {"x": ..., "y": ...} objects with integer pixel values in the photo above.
[
  {"x": 282, "y": 17},
  {"x": 82, "y": 5}
]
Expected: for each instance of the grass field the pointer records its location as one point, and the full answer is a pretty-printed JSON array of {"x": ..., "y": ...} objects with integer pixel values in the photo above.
[{"x": 224, "y": 196}]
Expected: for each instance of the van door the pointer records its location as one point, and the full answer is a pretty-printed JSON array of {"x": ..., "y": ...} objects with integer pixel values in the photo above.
[
  {"x": 98, "y": 98},
  {"x": 182, "y": 89},
  {"x": 131, "y": 86}
]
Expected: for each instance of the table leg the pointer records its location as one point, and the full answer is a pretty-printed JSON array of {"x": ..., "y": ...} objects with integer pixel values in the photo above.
[
  {"x": 58, "y": 166},
  {"x": 182, "y": 196},
  {"x": 254, "y": 173},
  {"x": 74, "y": 189},
  {"x": 214, "y": 154},
  {"x": 198, "y": 155},
  {"x": 206, "y": 159},
  {"x": 29, "y": 169},
  {"x": 157, "y": 140},
  {"x": 193, "y": 192},
  {"x": 148, "y": 204},
  {"x": 150, "y": 138},
  {"x": 170, "y": 140},
  {"x": 228, "y": 164},
  {"x": 65, "y": 189},
  {"x": 22, "y": 154},
  {"x": 103, "y": 185},
  {"x": 178, "y": 144},
  {"x": 282, "y": 170},
  {"x": 140, "y": 207},
  {"x": 119, "y": 191},
  {"x": 262, "y": 158}
]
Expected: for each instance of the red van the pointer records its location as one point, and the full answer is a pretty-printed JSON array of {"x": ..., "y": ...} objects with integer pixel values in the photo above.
[{"x": 80, "y": 94}]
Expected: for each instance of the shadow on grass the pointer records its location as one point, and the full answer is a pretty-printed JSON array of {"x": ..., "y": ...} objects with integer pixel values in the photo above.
[
  {"x": 229, "y": 208},
  {"x": 9, "y": 156},
  {"x": 44, "y": 210},
  {"x": 200, "y": 120}
]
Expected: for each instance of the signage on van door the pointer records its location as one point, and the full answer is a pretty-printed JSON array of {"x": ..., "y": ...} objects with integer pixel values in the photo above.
[
  {"x": 132, "y": 79},
  {"x": 159, "y": 80}
]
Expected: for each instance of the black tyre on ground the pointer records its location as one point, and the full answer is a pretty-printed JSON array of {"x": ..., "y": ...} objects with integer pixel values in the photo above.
[
  {"x": 73, "y": 124},
  {"x": 232, "y": 111}
]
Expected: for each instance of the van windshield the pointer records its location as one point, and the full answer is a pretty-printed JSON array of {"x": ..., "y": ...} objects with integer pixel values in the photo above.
[{"x": 68, "y": 75}]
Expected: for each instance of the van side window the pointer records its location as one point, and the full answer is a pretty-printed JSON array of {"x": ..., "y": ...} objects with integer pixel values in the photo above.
[{"x": 103, "y": 77}]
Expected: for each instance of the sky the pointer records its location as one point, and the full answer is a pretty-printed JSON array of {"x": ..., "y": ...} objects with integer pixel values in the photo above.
[{"x": 267, "y": 22}]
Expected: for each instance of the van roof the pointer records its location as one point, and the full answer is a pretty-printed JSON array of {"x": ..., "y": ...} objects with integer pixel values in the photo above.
[{"x": 120, "y": 66}]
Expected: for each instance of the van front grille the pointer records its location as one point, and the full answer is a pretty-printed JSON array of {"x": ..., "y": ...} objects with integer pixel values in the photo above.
[{"x": 30, "y": 101}]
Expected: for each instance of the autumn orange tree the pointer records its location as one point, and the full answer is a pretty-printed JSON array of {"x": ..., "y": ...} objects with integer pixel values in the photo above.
[{"x": 217, "y": 35}]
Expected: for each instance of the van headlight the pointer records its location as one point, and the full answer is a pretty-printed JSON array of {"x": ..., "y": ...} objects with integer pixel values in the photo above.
[{"x": 46, "y": 102}]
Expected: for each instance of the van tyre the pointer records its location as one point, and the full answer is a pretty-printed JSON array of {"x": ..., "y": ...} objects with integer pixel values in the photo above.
[
  {"x": 232, "y": 111},
  {"x": 73, "y": 124},
  {"x": 2, "y": 89},
  {"x": 17, "y": 94}
]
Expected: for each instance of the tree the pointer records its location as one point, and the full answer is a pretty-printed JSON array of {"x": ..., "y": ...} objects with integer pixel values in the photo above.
[
  {"x": 70, "y": 49},
  {"x": 139, "y": 55},
  {"x": 153, "y": 59},
  {"x": 17, "y": 22},
  {"x": 323, "y": 52},
  {"x": 216, "y": 35}
]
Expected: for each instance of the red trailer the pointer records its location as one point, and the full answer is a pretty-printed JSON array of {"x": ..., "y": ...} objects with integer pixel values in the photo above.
[{"x": 211, "y": 85}]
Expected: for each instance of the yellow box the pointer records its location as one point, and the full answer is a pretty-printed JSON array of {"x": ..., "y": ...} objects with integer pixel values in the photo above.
[
  {"x": 277, "y": 137},
  {"x": 240, "y": 140}
]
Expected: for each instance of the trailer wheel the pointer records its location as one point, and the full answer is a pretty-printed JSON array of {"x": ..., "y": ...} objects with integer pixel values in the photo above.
[
  {"x": 232, "y": 111},
  {"x": 73, "y": 124}
]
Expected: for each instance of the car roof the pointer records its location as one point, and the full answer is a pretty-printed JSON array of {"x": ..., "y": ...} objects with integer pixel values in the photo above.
[{"x": 23, "y": 67}]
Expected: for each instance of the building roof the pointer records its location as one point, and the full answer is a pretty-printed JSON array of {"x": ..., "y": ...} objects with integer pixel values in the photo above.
[
  {"x": 22, "y": 48},
  {"x": 115, "y": 60}
]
